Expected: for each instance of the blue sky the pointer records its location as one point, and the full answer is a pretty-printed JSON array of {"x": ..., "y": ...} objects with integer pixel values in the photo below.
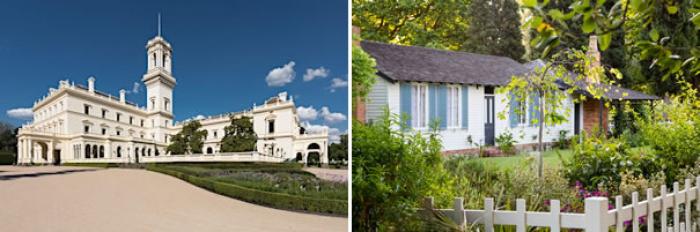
[{"x": 226, "y": 54}]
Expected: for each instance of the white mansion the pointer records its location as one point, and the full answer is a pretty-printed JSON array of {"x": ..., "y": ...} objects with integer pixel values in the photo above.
[{"x": 74, "y": 124}]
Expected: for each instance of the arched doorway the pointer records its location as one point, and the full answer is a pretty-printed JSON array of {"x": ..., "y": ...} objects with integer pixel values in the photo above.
[
  {"x": 43, "y": 150},
  {"x": 313, "y": 159},
  {"x": 87, "y": 151},
  {"x": 209, "y": 150},
  {"x": 299, "y": 157},
  {"x": 94, "y": 151},
  {"x": 102, "y": 151}
]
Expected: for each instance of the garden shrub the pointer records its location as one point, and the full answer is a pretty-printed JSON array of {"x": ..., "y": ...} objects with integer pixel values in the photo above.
[
  {"x": 393, "y": 169},
  {"x": 675, "y": 135},
  {"x": 598, "y": 161},
  {"x": 506, "y": 143}
]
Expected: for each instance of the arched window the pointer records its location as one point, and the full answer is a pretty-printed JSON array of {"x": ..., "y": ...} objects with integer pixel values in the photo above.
[
  {"x": 94, "y": 151},
  {"x": 102, "y": 151},
  {"x": 149, "y": 152},
  {"x": 209, "y": 150},
  {"x": 157, "y": 152},
  {"x": 137, "y": 151},
  {"x": 87, "y": 151},
  {"x": 143, "y": 151},
  {"x": 314, "y": 146},
  {"x": 119, "y": 152},
  {"x": 299, "y": 157}
]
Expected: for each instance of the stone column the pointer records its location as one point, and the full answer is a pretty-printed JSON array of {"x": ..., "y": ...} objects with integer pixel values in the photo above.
[
  {"x": 49, "y": 153},
  {"x": 19, "y": 151},
  {"x": 31, "y": 151}
]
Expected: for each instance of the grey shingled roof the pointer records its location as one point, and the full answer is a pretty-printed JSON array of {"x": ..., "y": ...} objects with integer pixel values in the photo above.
[
  {"x": 411, "y": 63},
  {"x": 613, "y": 92}
]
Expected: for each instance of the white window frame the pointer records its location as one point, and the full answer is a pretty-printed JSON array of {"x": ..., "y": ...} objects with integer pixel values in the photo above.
[
  {"x": 454, "y": 103},
  {"x": 419, "y": 120},
  {"x": 523, "y": 117}
]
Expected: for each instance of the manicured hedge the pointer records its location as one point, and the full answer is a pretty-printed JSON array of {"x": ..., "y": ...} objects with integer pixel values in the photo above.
[
  {"x": 275, "y": 200},
  {"x": 7, "y": 158}
]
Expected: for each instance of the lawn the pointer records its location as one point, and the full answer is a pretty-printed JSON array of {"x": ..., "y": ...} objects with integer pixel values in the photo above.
[
  {"x": 284, "y": 186},
  {"x": 551, "y": 159}
]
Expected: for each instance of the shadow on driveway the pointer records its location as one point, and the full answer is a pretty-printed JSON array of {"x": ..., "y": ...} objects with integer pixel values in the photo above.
[{"x": 38, "y": 174}]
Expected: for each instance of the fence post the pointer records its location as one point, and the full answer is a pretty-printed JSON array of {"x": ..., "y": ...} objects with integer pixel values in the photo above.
[
  {"x": 488, "y": 214},
  {"x": 596, "y": 210},
  {"x": 458, "y": 215},
  {"x": 688, "y": 207}
]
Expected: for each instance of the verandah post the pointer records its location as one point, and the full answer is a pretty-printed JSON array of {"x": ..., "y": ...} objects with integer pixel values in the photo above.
[{"x": 596, "y": 210}]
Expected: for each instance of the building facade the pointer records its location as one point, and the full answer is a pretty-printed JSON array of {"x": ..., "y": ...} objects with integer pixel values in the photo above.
[
  {"x": 460, "y": 90},
  {"x": 77, "y": 123}
]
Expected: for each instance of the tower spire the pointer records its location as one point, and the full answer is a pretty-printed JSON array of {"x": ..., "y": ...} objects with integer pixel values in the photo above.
[{"x": 158, "y": 24}]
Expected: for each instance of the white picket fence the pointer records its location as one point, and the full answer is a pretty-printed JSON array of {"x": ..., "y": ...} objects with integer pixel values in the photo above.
[{"x": 596, "y": 216}]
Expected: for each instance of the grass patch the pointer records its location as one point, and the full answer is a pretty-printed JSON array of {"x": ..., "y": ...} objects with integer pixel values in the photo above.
[
  {"x": 551, "y": 160},
  {"x": 283, "y": 186}
]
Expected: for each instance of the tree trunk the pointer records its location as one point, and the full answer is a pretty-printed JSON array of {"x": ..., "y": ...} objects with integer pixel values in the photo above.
[{"x": 540, "y": 148}]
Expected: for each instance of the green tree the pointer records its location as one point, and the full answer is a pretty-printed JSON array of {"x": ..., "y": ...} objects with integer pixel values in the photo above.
[
  {"x": 8, "y": 137},
  {"x": 239, "y": 135},
  {"x": 393, "y": 170},
  {"x": 663, "y": 34},
  {"x": 494, "y": 28},
  {"x": 429, "y": 23},
  {"x": 364, "y": 74},
  {"x": 541, "y": 89},
  {"x": 189, "y": 140},
  {"x": 339, "y": 151}
]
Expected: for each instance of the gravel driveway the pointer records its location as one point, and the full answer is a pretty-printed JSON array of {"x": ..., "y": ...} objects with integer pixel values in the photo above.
[{"x": 86, "y": 199}]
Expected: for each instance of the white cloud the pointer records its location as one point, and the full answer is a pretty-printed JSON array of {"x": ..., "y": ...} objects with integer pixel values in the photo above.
[
  {"x": 21, "y": 113},
  {"x": 333, "y": 133},
  {"x": 338, "y": 83},
  {"x": 313, "y": 73},
  {"x": 281, "y": 76},
  {"x": 135, "y": 88},
  {"x": 307, "y": 113},
  {"x": 332, "y": 117}
]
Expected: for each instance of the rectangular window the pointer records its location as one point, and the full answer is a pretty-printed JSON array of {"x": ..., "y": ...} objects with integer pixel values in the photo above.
[
  {"x": 119, "y": 132},
  {"x": 104, "y": 131},
  {"x": 86, "y": 129},
  {"x": 453, "y": 99},
  {"x": 419, "y": 106},
  {"x": 104, "y": 113},
  {"x": 141, "y": 122},
  {"x": 131, "y": 120},
  {"x": 522, "y": 116},
  {"x": 271, "y": 126},
  {"x": 86, "y": 109},
  {"x": 119, "y": 116}
]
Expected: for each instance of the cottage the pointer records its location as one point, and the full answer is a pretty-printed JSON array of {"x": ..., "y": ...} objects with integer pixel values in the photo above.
[{"x": 459, "y": 89}]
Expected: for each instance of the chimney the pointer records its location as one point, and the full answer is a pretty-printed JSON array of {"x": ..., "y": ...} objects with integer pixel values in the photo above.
[
  {"x": 91, "y": 84},
  {"x": 359, "y": 111},
  {"x": 594, "y": 55},
  {"x": 122, "y": 96}
]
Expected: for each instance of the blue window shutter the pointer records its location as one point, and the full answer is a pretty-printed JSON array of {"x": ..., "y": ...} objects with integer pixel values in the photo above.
[
  {"x": 442, "y": 105},
  {"x": 465, "y": 106},
  {"x": 512, "y": 115},
  {"x": 433, "y": 103},
  {"x": 405, "y": 100}
]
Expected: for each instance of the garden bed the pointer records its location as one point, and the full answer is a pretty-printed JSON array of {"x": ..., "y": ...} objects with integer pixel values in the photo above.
[{"x": 283, "y": 186}]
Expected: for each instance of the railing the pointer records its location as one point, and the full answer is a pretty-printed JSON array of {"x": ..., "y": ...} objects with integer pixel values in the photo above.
[
  {"x": 596, "y": 216},
  {"x": 217, "y": 157}
]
